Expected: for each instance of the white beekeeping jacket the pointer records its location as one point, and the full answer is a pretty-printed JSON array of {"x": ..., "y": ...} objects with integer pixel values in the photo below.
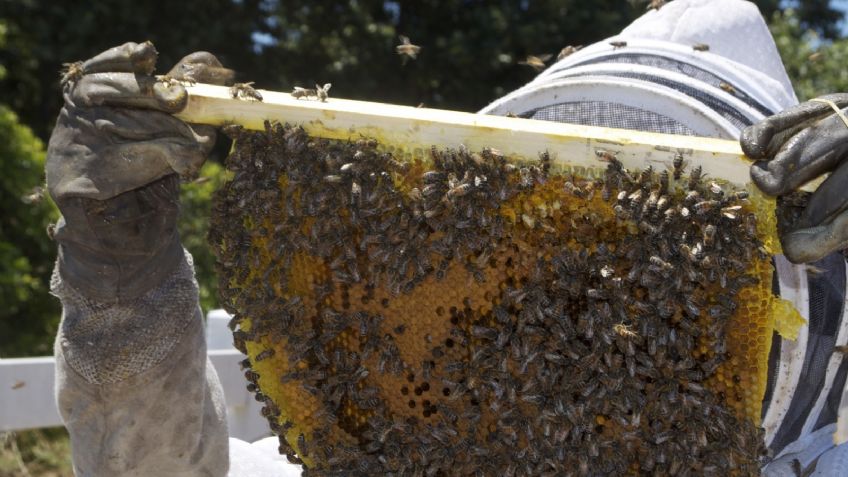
[{"x": 652, "y": 78}]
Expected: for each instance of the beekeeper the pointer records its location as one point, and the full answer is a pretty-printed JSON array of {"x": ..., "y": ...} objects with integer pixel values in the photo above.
[
  {"x": 134, "y": 386},
  {"x": 711, "y": 68}
]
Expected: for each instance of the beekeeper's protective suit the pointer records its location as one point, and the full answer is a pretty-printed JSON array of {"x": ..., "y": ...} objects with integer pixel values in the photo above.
[
  {"x": 660, "y": 82},
  {"x": 134, "y": 386}
]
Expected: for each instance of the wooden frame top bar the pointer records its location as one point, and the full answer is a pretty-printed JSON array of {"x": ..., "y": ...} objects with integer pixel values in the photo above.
[{"x": 409, "y": 130}]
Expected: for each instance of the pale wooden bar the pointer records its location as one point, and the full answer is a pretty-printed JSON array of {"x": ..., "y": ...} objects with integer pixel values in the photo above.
[{"x": 407, "y": 130}]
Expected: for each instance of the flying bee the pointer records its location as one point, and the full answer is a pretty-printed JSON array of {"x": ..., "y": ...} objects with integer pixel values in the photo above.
[
  {"x": 701, "y": 47},
  {"x": 727, "y": 87},
  {"x": 656, "y": 4},
  {"x": 406, "y": 49},
  {"x": 245, "y": 91},
  {"x": 568, "y": 51},
  {"x": 35, "y": 195},
  {"x": 618, "y": 44},
  {"x": 536, "y": 62}
]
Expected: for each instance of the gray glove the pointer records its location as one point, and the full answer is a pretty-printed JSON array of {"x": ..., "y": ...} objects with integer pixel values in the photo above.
[
  {"x": 792, "y": 148},
  {"x": 111, "y": 168},
  {"x": 134, "y": 386}
]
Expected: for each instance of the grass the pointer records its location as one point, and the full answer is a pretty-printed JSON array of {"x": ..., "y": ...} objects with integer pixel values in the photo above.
[{"x": 36, "y": 453}]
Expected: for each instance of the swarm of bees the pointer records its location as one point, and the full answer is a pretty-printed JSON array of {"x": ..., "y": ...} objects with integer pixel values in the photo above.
[{"x": 459, "y": 314}]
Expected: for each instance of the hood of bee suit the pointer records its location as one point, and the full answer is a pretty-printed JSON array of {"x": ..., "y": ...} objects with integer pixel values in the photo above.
[{"x": 658, "y": 82}]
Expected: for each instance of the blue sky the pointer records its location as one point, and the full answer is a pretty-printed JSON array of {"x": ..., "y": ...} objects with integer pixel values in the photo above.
[{"x": 841, "y": 5}]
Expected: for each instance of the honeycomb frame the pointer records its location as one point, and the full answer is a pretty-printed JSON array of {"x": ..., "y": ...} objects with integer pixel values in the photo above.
[{"x": 322, "y": 304}]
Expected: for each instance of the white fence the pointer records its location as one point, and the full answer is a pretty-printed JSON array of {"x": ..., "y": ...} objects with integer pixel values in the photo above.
[{"x": 27, "y": 388}]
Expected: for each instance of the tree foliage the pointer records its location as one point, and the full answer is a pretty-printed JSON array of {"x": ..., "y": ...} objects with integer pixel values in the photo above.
[
  {"x": 815, "y": 65},
  {"x": 27, "y": 313},
  {"x": 196, "y": 208}
]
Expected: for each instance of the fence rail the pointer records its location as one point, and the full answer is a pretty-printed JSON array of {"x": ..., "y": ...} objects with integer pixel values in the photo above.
[{"x": 27, "y": 388}]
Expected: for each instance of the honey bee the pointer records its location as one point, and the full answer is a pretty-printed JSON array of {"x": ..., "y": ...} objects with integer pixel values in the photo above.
[
  {"x": 301, "y": 445},
  {"x": 727, "y": 87},
  {"x": 245, "y": 91},
  {"x": 71, "y": 73},
  {"x": 606, "y": 155},
  {"x": 265, "y": 354},
  {"x": 574, "y": 190},
  {"x": 536, "y": 62},
  {"x": 568, "y": 51},
  {"x": 695, "y": 177},
  {"x": 731, "y": 212},
  {"x": 35, "y": 195},
  {"x": 406, "y": 49},
  {"x": 321, "y": 92},
  {"x": 299, "y": 92},
  {"x": 661, "y": 264},
  {"x": 618, "y": 44},
  {"x": 678, "y": 165},
  {"x": 701, "y": 47}
]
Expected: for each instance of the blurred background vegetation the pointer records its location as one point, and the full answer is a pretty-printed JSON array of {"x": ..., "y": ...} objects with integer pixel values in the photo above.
[{"x": 470, "y": 54}]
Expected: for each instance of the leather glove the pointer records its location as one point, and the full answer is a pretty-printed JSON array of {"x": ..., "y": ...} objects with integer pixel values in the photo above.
[
  {"x": 112, "y": 165},
  {"x": 794, "y": 147}
]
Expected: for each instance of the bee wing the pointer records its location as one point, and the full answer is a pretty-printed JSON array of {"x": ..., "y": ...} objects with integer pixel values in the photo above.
[
  {"x": 298, "y": 89},
  {"x": 545, "y": 57}
]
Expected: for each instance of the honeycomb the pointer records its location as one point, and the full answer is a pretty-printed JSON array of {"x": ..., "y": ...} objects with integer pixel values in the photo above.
[{"x": 461, "y": 314}]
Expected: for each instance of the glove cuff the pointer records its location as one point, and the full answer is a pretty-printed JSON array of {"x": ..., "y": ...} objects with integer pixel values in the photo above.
[{"x": 117, "y": 249}]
